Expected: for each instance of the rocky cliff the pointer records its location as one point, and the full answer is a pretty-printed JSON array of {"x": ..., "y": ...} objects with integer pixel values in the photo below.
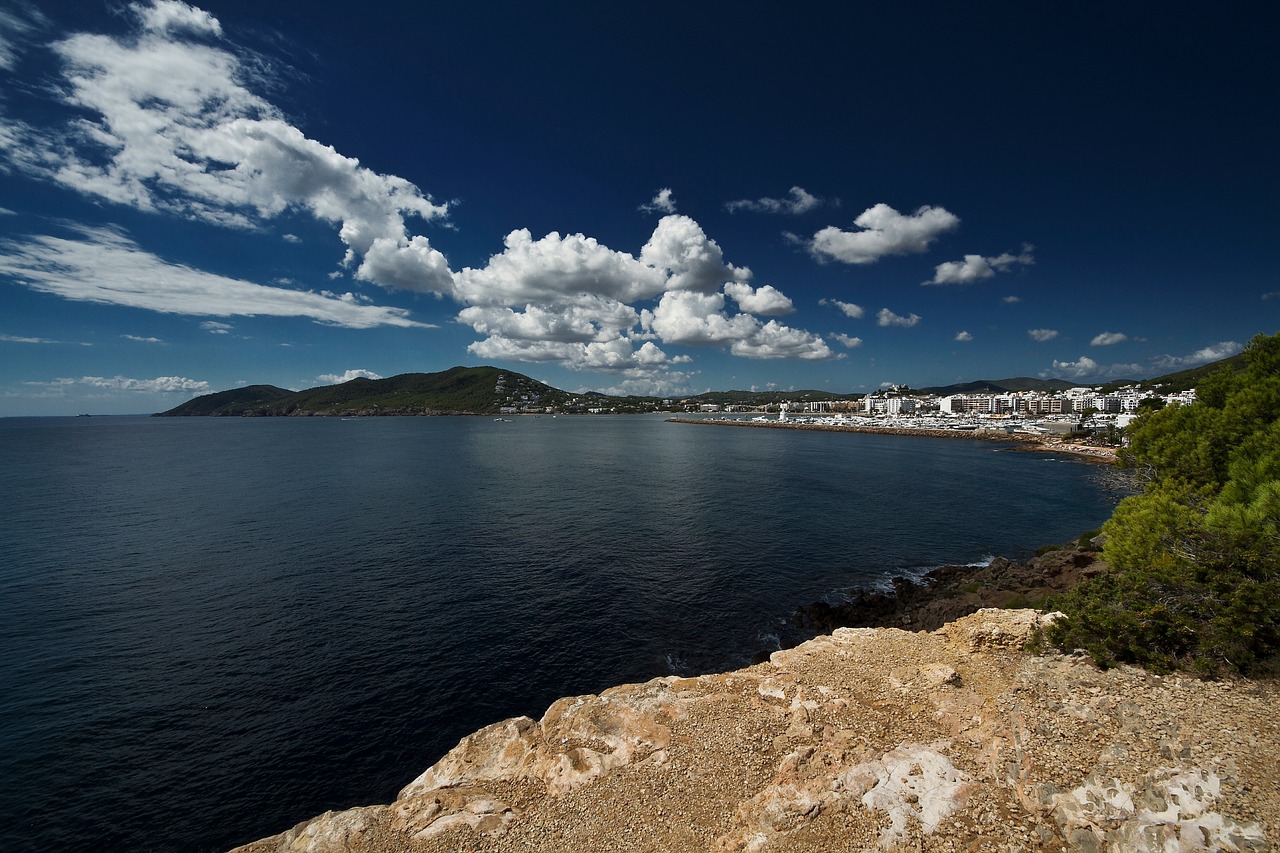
[{"x": 866, "y": 739}]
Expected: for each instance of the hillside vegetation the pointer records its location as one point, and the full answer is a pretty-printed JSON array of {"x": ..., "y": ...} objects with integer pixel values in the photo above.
[
  {"x": 472, "y": 390},
  {"x": 1194, "y": 576}
]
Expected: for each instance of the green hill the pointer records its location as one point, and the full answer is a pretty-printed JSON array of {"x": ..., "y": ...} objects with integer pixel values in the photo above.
[
  {"x": 1001, "y": 386},
  {"x": 459, "y": 390},
  {"x": 252, "y": 399}
]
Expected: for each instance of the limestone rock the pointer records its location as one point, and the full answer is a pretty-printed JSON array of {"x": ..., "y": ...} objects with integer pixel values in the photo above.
[{"x": 862, "y": 739}]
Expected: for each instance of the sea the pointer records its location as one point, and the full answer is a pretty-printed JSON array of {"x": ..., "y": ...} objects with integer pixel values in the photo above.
[{"x": 212, "y": 629}]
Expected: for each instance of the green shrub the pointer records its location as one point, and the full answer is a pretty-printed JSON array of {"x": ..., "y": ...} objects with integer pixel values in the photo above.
[{"x": 1194, "y": 560}]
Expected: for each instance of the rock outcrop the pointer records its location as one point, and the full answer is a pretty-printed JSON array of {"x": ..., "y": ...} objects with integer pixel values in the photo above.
[{"x": 866, "y": 739}]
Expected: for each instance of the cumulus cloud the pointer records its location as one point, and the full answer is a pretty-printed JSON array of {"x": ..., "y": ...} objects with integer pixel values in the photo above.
[
  {"x": 1087, "y": 368},
  {"x": 690, "y": 318},
  {"x": 347, "y": 376},
  {"x": 1077, "y": 369},
  {"x": 883, "y": 231},
  {"x": 887, "y": 318},
  {"x": 976, "y": 267},
  {"x": 1042, "y": 335},
  {"x": 163, "y": 120},
  {"x": 798, "y": 201},
  {"x": 963, "y": 337},
  {"x": 662, "y": 202},
  {"x": 1106, "y": 339},
  {"x": 170, "y": 118},
  {"x": 848, "y": 340},
  {"x": 766, "y": 299},
  {"x": 160, "y": 384},
  {"x": 1205, "y": 355},
  {"x": 215, "y": 328},
  {"x": 107, "y": 267},
  {"x": 848, "y": 308}
]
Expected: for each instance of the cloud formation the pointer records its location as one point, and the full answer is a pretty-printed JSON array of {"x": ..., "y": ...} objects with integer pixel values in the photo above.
[
  {"x": 1205, "y": 355},
  {"x": 799, "y": 201},
  {"x": 848, "y": 340},
  {"x": 168, "y": 118},
  {"x": 1106, "y": 339},
  {"x": 883, "y": 231},
  {"x": 976, "y": 267},
  {"x": 662, "y": 202},
  {"x": 1042, "y": 335},
  {"x": 850, "y": 310},
  {"x": 963, "y": 337},
  {"x": 107, "y": 267},
  {"x": 346, "y": 376},
  {"x": 887, "y": 318},
  {"x": 160, "y": 384},
  {"x": 161, "y": 120}
]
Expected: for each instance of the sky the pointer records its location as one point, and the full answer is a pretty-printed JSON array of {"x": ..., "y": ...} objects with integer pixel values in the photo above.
[{"x": 630, "y": 198}]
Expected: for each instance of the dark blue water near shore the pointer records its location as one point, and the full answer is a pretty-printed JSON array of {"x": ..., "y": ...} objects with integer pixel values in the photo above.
[{"x": 212, "y": 629}]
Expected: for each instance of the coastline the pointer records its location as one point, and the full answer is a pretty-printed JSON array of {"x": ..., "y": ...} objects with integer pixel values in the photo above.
[{"x": 1021, "y": 441}]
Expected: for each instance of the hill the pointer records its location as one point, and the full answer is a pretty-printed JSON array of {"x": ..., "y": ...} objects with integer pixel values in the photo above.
[
  {"x": 459, "y": 390},
  {"x": 1001, "y": 386},
  {"x": 238, "y": 401}
]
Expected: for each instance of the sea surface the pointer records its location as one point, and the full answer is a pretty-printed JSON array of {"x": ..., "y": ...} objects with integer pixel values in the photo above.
[{"x": 212, "y": 629}]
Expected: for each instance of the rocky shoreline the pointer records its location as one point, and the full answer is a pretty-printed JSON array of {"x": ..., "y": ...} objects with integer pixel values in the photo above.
[
  {"x": 948, "y": 593},
  {"x": 865, "y": 739}
]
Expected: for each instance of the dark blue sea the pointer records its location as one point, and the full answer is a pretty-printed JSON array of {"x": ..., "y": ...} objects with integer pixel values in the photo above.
[{"x": 211, "y": 629}]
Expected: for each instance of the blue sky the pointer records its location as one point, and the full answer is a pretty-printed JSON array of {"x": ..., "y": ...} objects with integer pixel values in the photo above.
[{"x": 634, "y": 198}]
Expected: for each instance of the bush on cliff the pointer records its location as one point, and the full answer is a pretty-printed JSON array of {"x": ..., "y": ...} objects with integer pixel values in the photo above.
[{"x": 1194, "y": 577}]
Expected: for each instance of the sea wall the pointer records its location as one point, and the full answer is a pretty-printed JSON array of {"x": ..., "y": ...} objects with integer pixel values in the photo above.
[{"x": 863, "y": 739}]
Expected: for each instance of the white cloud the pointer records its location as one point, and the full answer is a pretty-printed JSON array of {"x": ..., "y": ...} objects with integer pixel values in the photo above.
[
  {"x": 1205, "y": 355},
  {"x": 1077, "y": 369},
  {"x": 17, "y": 339},
  {"x": 569, "y": 299},
  {"x": 887, "y": 318},
  {"x": 142, "y": 340},
  {"x": 848, "y": 308},
  {"x": 558, "y": 270},
  {"x": 16, "y": 25},
  {"x": 1273, "y": 294},
  {"x": 1011, "y": 300},
  {"x": 883, "y": 231},
  {"x": 107, "y": 267},
  {"x": 347, "y": 376},
  {"x": 291, "y": 238},
  {"x": 215, "y": 328},
  {"x": 165, "y": 121},
  {"x": 160, "y": 384},
  {"x": 1042, "y": 335},
  {"x": 774, "y": 340},
  {"x": 1087, "y": 368},
  {"x": 1106, "y": 339},
  {"x": 976, "y": 267},
  {"x": 766, "y": 299},
  {"x": 963, "y": 337},
  {"x": 799, "y": 201},
  {"x": 685, "y": 317},
  {"x": 172, "y": 16},
  {"x": 662, "y": 202},
  {"x": 848, "y": 340}
]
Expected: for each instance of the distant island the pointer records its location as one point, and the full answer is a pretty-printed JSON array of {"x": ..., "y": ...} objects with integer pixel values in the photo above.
[{"x": 491, "y": 391}]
